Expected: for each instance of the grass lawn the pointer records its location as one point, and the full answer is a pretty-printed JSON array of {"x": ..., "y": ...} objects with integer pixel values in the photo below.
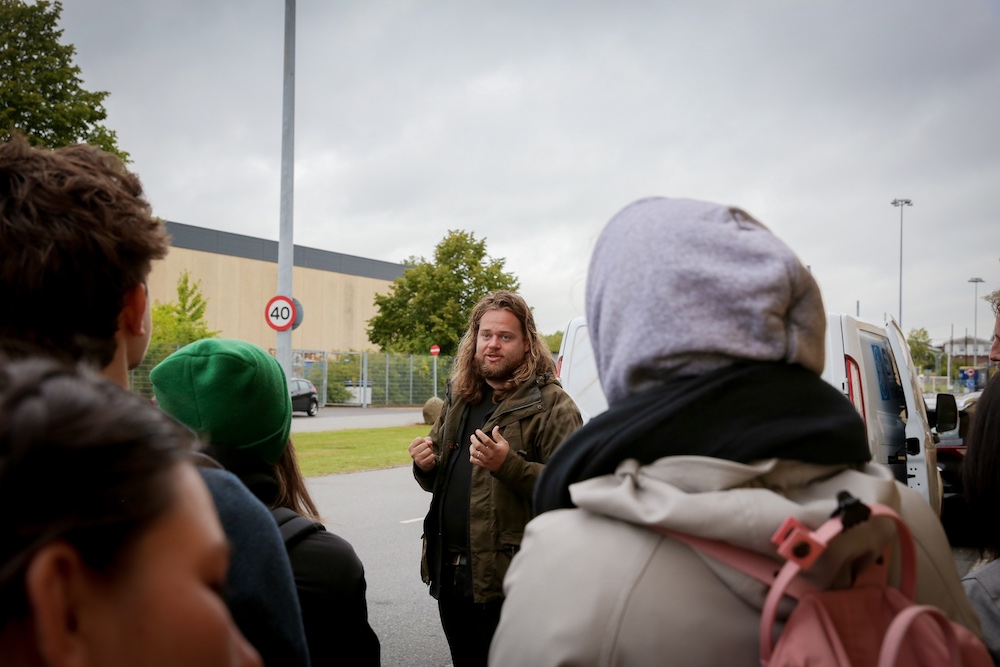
[{"x": 330, "y": 452}]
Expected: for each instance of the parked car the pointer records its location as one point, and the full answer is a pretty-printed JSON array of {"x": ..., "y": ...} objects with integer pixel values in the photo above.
[
  {"x": 870, "y": 364},
  {"x": 305, "y": 398}
]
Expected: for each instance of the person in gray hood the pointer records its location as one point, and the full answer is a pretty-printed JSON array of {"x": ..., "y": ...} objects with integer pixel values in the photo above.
[{"x": 708, "y": 334}]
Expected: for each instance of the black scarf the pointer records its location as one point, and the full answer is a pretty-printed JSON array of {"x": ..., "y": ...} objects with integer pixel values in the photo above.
[{"x": 750, "y": 411}]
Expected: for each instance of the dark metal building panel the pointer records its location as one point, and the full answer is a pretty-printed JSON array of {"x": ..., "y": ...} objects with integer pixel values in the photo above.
[
  {"x": 249, "y": 247},
  {"x": 193, "y": 238}
]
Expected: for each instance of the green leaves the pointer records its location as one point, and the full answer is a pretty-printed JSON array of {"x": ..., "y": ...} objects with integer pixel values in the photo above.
[
  {"x": 554, "y": 341},
  {"x": 920, "y": 348},
  {"x": 182, "y": 321},
  {"x": 41, "y": 92},
  {"x": 430, "y": 303}
]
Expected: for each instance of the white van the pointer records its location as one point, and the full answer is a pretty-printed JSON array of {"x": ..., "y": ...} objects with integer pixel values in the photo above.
[
  {"x": 869, "y": 364},
  {"x": 577, "y": 370},
  {"x": 872, "y": 367}
]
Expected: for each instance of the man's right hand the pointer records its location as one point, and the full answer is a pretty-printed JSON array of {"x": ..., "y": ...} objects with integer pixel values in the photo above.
[{"x": 422, "y": 452}]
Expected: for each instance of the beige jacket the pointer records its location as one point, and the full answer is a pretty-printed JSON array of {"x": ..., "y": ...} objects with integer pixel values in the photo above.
[{"x": 593, "y": 586}]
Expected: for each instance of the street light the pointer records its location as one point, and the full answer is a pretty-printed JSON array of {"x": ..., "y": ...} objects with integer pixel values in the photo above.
[
  {"x": 975, "y": 319},
  {"x": 900, "y": 203}
]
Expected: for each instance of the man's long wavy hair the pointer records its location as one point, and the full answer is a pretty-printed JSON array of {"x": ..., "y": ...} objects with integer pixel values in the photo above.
[{"x": 466, "y": 378}]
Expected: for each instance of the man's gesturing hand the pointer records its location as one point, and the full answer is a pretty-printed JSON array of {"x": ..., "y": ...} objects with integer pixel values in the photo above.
[
  {"x": 422, "y": 453},
  {"x": 487, "y": 452}
]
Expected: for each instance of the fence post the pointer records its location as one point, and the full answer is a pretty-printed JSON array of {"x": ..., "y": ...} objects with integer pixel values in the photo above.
[
  {"x": 326, "y": 380},
  {"x": 387, "y": 378},
  {"x": 364, "y": 380},
  {"x": 411, "y": 380}
]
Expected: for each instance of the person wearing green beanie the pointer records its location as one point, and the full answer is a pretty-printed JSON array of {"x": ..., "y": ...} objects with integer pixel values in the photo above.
[
  {"x": 235, "y": 396},
  {"x": 230, "y": 390}
]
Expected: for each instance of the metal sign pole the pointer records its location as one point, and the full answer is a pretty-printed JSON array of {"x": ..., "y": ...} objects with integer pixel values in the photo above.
[{"x": 283, "y": 341}]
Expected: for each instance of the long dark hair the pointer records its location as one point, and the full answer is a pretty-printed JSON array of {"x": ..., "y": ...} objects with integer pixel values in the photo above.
[
  {"x": 81, "y": 460},
  {"x": 292, "y": 491},
  {"x": 981, "y": 468}
]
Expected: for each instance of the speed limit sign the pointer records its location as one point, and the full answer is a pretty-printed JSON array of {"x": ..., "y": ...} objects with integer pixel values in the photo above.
[{"x": 280, "y": 313}]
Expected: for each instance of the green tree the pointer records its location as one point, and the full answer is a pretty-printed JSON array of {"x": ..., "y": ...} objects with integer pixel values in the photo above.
[
  {"x": 41, "y": 92},
  {"x": 920, "y": 348},
  {"x": 175, "y": 324},
  {"x": 430, "y": 303},
  {"x": 182, "y": 321},
  {"x": 554, "y": 341}
]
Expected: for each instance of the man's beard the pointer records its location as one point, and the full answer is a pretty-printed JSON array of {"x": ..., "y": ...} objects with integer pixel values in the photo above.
[{"x": 498, "y": 372}]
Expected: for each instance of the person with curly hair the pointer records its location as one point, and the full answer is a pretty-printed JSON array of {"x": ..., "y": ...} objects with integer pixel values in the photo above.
[{"x": 981, "y": 478}]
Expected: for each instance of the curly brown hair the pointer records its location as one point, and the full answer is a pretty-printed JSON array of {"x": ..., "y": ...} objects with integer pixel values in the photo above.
[
  {"x": 466, "y": 378},
  {"x": 76, "y": 234}
]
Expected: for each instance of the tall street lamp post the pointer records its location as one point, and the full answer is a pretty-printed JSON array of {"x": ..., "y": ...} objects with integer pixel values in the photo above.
[
  {"x": 286, "y": 248},
  {"x": 975, "y": 319},
  {"x": 900, "y": 203}
]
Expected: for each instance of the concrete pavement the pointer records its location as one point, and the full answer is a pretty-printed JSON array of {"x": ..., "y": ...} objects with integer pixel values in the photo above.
[{"x": 340, "y": 418}]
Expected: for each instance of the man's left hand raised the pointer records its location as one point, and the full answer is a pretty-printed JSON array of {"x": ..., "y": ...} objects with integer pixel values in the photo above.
[{"x": 488, "y": 452}]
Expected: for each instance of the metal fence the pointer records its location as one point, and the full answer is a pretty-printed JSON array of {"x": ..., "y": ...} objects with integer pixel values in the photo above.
[
  {"x": 379, "y": 379},
  {"x": 345, "y": 378},
  {"x": 156, "y": 353},
  {"x": 935, "y": 384}
]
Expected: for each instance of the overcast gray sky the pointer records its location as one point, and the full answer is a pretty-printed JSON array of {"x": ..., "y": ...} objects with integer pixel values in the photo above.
[{"x": 530, "y": 123}]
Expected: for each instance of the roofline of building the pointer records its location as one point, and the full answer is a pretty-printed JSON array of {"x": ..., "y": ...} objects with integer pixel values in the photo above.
[
  {"x": 249, "y": 247},
  {"x": 970, "y": 339}
]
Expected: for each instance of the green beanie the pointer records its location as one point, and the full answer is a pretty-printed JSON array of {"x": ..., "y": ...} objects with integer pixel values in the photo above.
[{"x": 230, "y": 390}]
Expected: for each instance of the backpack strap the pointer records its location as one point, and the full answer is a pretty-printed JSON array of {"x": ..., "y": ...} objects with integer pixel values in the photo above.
[
  {"x": 901, "y": 625},
  {"x": 751, "y": 563},
  {"x": 293, "y": 526}
]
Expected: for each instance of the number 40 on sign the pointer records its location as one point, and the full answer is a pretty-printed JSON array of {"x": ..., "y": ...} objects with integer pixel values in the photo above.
[{"x": 280, "y": 313}]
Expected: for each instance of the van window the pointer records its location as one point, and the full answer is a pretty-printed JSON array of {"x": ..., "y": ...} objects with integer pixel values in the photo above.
[{"x": 885, "y": 388}]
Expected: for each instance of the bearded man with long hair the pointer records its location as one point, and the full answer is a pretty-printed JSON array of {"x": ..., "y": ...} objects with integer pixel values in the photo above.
[{"x": 506, "y": 409}]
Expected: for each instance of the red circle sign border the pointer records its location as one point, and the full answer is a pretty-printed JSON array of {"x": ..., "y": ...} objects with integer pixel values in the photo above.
[{"x": 267, "y": 309}]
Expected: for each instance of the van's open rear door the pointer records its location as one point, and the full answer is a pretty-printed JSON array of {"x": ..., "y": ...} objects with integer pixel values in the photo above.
[{"x": 921, "y": 460}]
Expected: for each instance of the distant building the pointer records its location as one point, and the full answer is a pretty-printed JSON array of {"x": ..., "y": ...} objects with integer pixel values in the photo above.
[
  {"x": 967, "y": 346},
  {"x": 239, "y": 275}
]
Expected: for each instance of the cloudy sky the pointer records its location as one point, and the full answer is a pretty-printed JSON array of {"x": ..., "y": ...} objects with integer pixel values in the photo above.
[{"x": 530, "y": 123}]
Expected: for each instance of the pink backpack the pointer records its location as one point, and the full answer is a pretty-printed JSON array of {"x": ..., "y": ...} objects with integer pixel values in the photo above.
[{"x": 869, "y": 623}]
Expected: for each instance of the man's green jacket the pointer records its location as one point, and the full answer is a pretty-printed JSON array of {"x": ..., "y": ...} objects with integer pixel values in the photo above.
[{"x": 535, "y": 419}]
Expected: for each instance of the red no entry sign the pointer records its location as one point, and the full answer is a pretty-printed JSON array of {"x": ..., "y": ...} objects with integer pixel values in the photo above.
[{"x": 435, "y": 350}]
